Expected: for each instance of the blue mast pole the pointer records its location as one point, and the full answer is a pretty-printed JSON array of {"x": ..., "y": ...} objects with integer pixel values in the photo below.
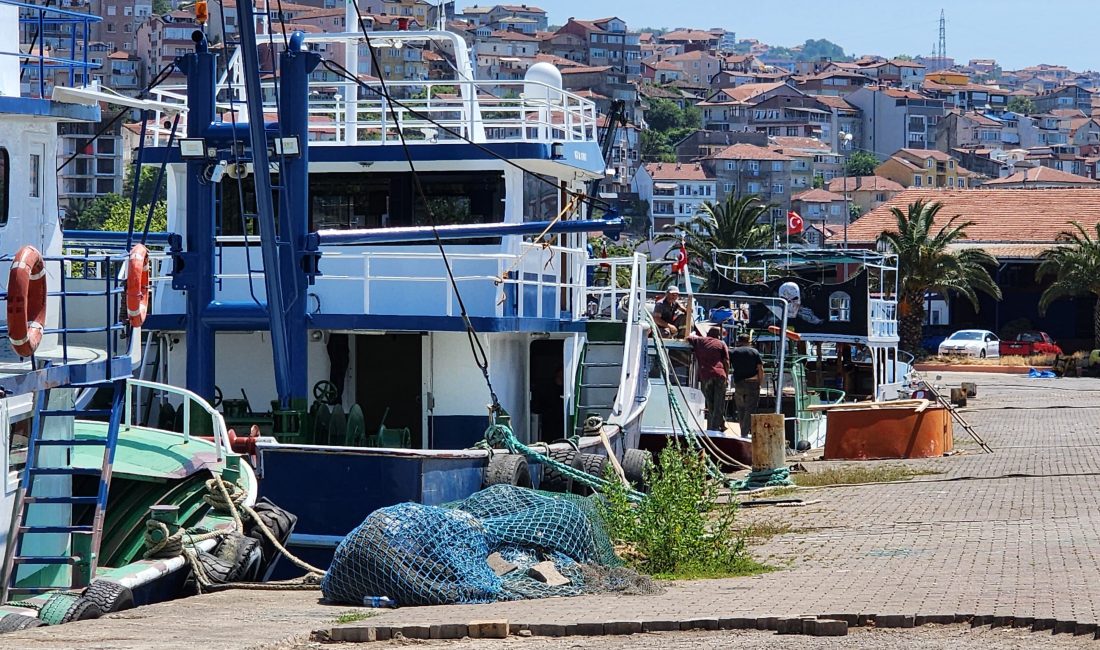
[
  {"x": 265, "y": 209},
  {"x": 295, "y": 65},
  {"x": 200, "y": 70}
]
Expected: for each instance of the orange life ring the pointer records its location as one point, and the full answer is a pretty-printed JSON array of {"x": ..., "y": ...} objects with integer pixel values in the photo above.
[
  {"x": 26, "y": 301},
  {"x": 137, "y": 285}
]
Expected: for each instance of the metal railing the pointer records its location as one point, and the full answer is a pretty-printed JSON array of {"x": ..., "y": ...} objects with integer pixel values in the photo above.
[
  {"x": 53, "y": 22},
  {"x": 187, "y": 398},
  {"x": 426, "y": 112}
]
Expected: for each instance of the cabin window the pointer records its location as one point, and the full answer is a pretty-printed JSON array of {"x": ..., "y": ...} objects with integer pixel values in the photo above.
[
  {"x": 19, "y": 434},
  {"x": 35, "y": 176},
  {"x": 540, "y": 197},
  {"x": 5, "y": 185},
  {"x": 840, "y": 307}
]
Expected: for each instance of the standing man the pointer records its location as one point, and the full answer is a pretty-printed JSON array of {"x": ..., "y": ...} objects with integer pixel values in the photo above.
[
  {"x": 669, "y": 315},
  {"x": 748, "y": 374},
  {"x": 712, "y": 358}
]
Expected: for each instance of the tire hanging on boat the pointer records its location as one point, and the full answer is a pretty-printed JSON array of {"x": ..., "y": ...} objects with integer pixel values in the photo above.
[
  {"x": 137, "y": 285},
  {"x": 26, "y": 301},
  {"x": 553, "y": 479},
  {"x": 109, "y": 596},
  {"x": 16, "y": 622},
  {"x": 593, "y": 465},
  {"x": 508, "y": 469},
  {"x": 635, "y": 462}
]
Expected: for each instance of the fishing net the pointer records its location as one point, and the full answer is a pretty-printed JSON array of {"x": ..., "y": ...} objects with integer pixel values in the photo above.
[{"x": 430, "y": 555}]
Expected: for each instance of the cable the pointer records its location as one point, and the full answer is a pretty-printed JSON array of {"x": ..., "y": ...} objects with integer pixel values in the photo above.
[
  {"x": 343, "y": 72},
  {"x": 481, "y": 358}
]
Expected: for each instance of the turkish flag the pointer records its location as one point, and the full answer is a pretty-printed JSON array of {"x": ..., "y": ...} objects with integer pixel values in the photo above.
[
  {"x": 681, "y": 260},
  {"x": 794, "y": 223}
]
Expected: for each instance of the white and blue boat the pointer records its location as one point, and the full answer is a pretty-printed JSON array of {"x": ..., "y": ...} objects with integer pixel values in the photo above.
[{"x": 352, "y": 263}]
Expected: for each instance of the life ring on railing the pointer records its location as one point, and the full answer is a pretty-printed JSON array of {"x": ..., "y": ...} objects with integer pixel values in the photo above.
[
  {"x": 26, "y": 301},
  {"x": 137, "y": 285}
]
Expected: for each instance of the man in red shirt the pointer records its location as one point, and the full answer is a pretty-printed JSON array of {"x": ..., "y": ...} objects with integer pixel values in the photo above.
[{"x": 712, "y": 359}]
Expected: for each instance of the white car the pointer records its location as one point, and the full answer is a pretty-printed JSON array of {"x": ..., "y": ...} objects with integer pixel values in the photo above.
[{"x": 972, "y": 343}]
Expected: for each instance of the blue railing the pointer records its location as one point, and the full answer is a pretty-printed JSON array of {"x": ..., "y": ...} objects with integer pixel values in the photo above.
[{"x": 73, "y": 27}]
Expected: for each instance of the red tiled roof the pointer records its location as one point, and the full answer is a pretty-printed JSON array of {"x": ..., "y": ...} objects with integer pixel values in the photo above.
[
  {"x": 835, "y": 102},
  {"x": 864, "y": 184},
  {"x": 581, "y": 69},
  {"x": 898, "y": 93},
  {"x": 817, "y": 196},
  {"x": 530, "y": 9},
  {"x": 748, "y": 152},
  {"x": 511, "y": 36},
  {"x": 746, "y": 92},
  {"x": 923, "y": 154},
  {"x": 1044, "y": 175},
  {"x": 677, "y": 172},
  {"x": 794, "y": 142},
  {"x": 1025, "y": 216},
  {"x": 688, "y": 35}
]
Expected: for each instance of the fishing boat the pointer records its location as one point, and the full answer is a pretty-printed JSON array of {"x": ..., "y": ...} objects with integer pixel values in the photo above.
[
  {"x": 84, "y": 473},
  {"x": 372, "y": 273},
  {"x": 828, "y": 319}
]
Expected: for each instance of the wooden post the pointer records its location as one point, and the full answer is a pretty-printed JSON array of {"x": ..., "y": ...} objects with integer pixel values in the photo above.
[
  {"x": 958, "y": 396},
  {"x": 769, "y": 448}
]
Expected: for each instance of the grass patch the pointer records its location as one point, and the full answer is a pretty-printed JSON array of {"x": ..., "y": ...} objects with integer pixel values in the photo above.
[
  {"x": 776, "y": 493},
  {"x": 854, "y": 474},
  {"x": 761, "y": 531},
  {"x": 1008, "y": 360},
  {"x": 354, "y": 617},
  {"x": 684, "y": 529}
]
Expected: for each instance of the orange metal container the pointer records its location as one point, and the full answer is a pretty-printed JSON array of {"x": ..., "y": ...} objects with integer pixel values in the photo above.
[{"x": 888, "y": 432}]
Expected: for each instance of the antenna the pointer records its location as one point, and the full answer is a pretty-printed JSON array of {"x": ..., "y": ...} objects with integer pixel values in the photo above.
[{"x": 941, "y": 52}]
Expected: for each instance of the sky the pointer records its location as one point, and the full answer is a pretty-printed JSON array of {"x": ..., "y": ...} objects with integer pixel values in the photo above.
[{"x": 1016, "y": 33}]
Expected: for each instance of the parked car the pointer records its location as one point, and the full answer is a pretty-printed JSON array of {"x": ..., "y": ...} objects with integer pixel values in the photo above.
[
  {"x": 973, "y": 343},
  {"x": 1029, "y": 343}
]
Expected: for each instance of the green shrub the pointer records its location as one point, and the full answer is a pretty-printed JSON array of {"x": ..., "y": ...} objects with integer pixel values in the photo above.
[{"x": 682, "y": 529}]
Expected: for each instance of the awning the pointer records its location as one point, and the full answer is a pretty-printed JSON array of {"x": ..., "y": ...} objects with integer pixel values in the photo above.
[{"x": 664, "y": 186}]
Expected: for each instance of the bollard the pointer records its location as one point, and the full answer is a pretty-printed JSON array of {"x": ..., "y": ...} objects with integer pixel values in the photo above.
[
  {"x": 958, "y": 396},
  {"x": 970, "y": 388},
  {"x": 769, "y": 446}
]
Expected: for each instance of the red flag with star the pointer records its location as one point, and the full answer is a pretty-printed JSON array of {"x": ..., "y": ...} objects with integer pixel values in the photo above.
[{"x": 794, "y": 223}]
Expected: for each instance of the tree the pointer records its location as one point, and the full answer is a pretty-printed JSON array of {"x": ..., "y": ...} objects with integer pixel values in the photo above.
[
  {"x": 664, "y": 115},
  {"x": 925, "y": 264},
  {"x": 119, "y": 218},
  {"x": 655, "y": 147},
  {"x": 734, "y": 224},
  {"x": 1075, "y": 266},
  {"x": 1021, "y": 105},
  {"x": 862, "y": 163},
  {"x": 161, "y": 7},
  {"x": 814, "y": 50}
]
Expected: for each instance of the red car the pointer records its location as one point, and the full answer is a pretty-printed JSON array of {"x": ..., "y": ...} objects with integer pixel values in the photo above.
[{"x": 1029, "y": 343}]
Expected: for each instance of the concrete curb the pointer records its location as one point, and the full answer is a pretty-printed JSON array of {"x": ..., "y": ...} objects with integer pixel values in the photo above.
[
  {"x": 1000, "y": 370},
  {"x": 819, "y": 625}
]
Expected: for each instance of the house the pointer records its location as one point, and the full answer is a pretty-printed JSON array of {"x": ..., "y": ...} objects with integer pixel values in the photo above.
[
  {"x": 691, "y": 40},
  {"x": 966, "y": 96},
  {"x": 792, "y": 115},
  {"x": 161, "y": 39},
  {"x": 1015, "y": 226},
  {"x": 893, "y": 118},
  {"x": 745, "y": 169},
  {"x": 896, "y": 72},
  {"x": 529, "y": 17},
  {"x": 727, "y": 109},
  {"x": 1068, "y": 96},
  {"x": 604, "y": 41},
  {"x": 695, "y": 66},
  {"x": 865, "y": 193},
  {"x": 837, "y": 83},
  {"x": 923, "y": 168},
  {"x": 97, "y": 165},
  {"x": 623, "y": 156},
  {"x": 812, "y": 159},
  {"x": 704, "y": 143},
  {"x": 970, "y": 130},
  {"x": 122, "y": 71},
  {"x": 675, "y": 191},
  {"x": 819, "y": 206},
  {"x": 121, "y": 19},
  {"x": 1040, "y": 178},
  {"x": 660, "y": 72}
]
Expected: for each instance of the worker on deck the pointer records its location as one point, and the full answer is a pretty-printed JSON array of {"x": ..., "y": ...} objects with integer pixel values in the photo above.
[
  {"x": 712, "y": 359},
  {"x": 669, "y": 315},
  {"x": 748, "y": 373}
]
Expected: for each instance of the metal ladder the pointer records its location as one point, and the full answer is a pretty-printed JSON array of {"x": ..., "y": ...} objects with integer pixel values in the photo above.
[
  {"x": 82, "y": 541},
  {"x": 599, "y": 382}
]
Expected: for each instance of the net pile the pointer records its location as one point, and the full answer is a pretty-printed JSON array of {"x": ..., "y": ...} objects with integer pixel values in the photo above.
[{"x": 429, "y": 555}]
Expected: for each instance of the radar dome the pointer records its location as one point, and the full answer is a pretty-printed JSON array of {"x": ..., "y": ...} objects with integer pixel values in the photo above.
[{"x": 541, "y": 82}]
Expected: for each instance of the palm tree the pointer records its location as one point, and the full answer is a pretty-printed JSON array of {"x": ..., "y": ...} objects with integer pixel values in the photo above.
[
  {"x": 1076, "y": 269},
  {"x": 925, "y": 264},
  {"x": 734, "y": 224}
]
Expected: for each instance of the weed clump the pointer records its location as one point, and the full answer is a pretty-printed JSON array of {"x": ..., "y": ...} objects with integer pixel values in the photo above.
[{"x": 682, "y": 529}]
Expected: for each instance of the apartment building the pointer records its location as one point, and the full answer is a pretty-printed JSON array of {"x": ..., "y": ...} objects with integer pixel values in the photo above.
[
  {"x": 744, "y": 169},
  {"x": 674, "y": 191},
  {"x": 894, "y": 118}
]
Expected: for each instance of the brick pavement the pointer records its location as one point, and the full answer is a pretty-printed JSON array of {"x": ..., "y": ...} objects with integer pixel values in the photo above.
[{"x": 1009, "y": 535}]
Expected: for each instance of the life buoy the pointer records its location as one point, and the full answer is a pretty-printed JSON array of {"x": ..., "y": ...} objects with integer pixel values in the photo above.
[
  {"x": 137, "y": 285},
  {"x": 26, "y": 301}
]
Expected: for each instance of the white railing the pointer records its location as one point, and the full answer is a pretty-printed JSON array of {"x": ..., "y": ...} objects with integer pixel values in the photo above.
[
  {"x": 634, "y": 295},
  {"x": 221, "y": 436},
  {"x": 882, "y": 319},
  {"x": 612, "y": 301},
  {"x": 426, "y": 112}
]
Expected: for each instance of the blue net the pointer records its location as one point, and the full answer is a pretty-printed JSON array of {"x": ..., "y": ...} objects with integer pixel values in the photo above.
[{"x": 428, "y": 555}]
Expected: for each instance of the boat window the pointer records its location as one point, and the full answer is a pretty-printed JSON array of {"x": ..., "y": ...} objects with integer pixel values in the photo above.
[
  {"x": 17, "y": 444},
  {"x": 540, "y": 198},
  {"x": 5, "y": 177},
  {"x": 36, "y": 174},
  {"x": 840, "y": 307}
]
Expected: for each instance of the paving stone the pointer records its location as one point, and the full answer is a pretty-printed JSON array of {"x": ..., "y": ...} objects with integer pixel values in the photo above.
[
  {"x": 448, "y": 631},
  {"x": 851, "y": 619},
  {"x": 1001, "y": 621},
  {"x": 1042, "y": 624},
  {"x": 1023, "y": 621},
  {"x": 499, "y": 565},
  {"x": 488, "y": 629},
  {"x": 416, "y": 631},
  {"x": 789, "y": 626},
  {"x": 1083, "y": 629},
  {"x": 766, "y": 623},
  {"x": 548, "y": 629},
  {"x": 548, "y": 573},
  {"x": 590, "y": 629},
  {"x": 826, "y": 628},
  {"x": 963, "y": 618},
  {"x": 933, "y": 619},
  {"x": 699, "y": 624},
  {"x": 660, "y": 626},
  {"x": 622, "y": 627},
  {"x": 737, "y": 623},
  {"x": 1065, "y": 627},
  {"x": 893, "y": 620},
  {"x": 979, "y": 620}
]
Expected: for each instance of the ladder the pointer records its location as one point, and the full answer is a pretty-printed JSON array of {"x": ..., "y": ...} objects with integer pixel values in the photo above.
[
  {"x": 598, "y": 387},
  {"x": 72, "y": 544},
  {"x": 946, "y": 403}
]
